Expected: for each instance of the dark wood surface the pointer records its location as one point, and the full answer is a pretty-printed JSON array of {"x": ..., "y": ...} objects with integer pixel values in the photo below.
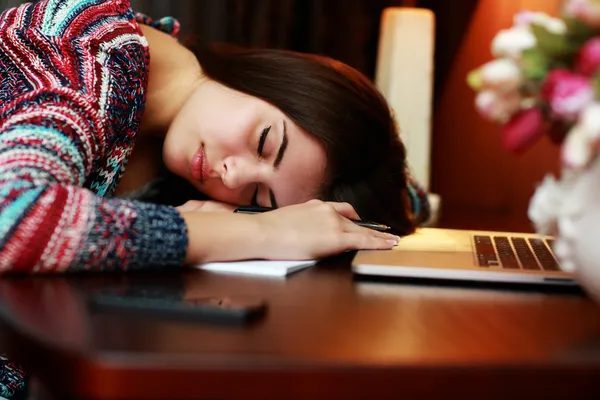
[{"x": 326, "y": 335}]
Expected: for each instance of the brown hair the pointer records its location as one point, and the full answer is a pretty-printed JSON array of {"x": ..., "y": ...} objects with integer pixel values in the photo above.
[{"x": 341, "y": 107}]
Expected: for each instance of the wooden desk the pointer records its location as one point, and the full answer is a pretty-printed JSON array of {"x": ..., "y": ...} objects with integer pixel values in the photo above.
[{"x": 325, "y": 336}]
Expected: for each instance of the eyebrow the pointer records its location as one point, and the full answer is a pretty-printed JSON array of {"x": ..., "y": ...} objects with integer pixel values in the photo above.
[{"x": 282, "y": 148}]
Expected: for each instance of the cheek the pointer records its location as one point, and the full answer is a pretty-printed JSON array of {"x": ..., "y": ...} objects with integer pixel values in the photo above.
[
  {"x": 230, "y": 131},
  {"x": 226, "y": 139},
  {"x": 306, "y": 177},
  {"x": 174, "y": 151},
  {"x": 219, "y": 192}
]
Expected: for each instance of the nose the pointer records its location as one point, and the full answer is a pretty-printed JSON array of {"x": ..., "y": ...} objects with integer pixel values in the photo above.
[{"x": 239, "y": 171}]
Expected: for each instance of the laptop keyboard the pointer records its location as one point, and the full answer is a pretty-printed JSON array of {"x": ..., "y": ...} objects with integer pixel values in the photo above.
[{"x": 515, "y": 253}]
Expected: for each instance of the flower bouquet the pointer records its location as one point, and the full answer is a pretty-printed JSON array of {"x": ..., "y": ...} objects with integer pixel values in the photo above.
[{"x": 544, "y": 80}]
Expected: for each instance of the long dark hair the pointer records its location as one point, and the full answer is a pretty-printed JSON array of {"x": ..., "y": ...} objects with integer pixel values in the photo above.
[{"x": 337, "y": 104}]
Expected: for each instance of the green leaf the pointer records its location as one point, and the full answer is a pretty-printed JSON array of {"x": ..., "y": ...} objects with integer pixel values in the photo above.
[
  {"x": 578, "y": 32},
  {"x": 534, "y": 64},
  {"x": 474, "y": 79},
  {"x": 596, "y": 85},
  {"x": 553, "y": 45}
]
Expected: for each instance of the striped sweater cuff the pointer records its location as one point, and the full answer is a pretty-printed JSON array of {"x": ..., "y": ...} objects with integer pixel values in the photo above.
[{"x": 160, "y": 237}]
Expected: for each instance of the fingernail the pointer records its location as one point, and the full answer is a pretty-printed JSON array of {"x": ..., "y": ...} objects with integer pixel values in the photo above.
[{"x": 392, "y": 242}]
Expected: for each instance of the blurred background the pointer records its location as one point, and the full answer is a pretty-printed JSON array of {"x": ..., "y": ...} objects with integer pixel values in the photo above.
[{"x": 481, "y": 185}]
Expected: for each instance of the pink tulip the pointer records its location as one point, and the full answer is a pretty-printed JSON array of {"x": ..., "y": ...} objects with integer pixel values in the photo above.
[
  {"x": 524, "y": 18},
  {"x": 567, "y": 93},
  {"x": 523, "y": 130},
  {"x": 588, "y": 58}
]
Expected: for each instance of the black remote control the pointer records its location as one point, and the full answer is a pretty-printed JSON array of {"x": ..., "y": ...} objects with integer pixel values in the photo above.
[{"x": 174, "y": 304}]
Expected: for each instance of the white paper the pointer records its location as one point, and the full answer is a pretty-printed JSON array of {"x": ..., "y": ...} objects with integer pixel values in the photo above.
[{"x": 258, "y": 267}]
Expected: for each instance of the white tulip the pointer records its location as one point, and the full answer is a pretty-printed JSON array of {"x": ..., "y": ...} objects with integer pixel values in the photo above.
[
  {"x": 576, "y": 149},
  {"x": 512, "y": 42},
  {"x": 496, "y": 106},
  {"x": 502, "y": 75},
  {"x": 589, "y": 120},
  {"x": 545, "y": 205},
  {"x": 524, "y": 19},
  {"x": 553, "y": 25}
]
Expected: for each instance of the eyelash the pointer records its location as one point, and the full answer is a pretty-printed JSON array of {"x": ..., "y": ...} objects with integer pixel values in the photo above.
[
  {"x": 254, "y": 201},
  {"x": 259, "y": 151}
]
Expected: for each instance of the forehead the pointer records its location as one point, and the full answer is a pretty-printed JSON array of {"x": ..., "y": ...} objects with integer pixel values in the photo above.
[{"x": 302, "y": 172}]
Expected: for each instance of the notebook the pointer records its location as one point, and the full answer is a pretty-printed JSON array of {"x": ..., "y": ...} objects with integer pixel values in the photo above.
[
  {"x": 457, "y": 254},
  {"x": 258, "y": 267}
]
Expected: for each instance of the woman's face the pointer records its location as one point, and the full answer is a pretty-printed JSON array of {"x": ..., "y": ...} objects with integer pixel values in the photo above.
[{"x": 238, "y": 149}]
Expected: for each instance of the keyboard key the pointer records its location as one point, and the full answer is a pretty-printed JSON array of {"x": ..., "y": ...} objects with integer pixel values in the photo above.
[
  {"x": 507, "y": 256},
  {"x": 544, "y": 256},
  {"x": 484, "y": 250},
  {"x": 524, "y": 253}
]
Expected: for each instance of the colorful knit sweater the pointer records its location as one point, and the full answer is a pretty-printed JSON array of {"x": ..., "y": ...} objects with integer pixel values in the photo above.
[{"x": 73, "y": 79}]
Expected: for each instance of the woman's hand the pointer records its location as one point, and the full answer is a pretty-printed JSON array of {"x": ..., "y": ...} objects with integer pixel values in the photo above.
[
  {"x": 317, "y": 229},
  {"x": 205, "y": 206}
]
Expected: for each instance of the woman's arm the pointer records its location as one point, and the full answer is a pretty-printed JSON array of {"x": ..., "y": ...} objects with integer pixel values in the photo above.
[
  {"x": 48, "y": 222},
  {"x": 310, "y": 230}
]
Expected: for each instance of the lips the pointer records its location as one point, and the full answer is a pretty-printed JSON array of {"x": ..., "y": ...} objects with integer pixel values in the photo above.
[{"x": 198, "y": 166}]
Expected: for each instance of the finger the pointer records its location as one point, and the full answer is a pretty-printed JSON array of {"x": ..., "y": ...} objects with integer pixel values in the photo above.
[
  {"x": 344, "y": 209},
  {"x": 188, "y": 206},
  {"x": 383, "y": 235},
  {"x": 361, "y": 241},
  {"x": 314, "y": 201},
  {"x": 215, "y": 206},
  {"x": 229, "y": 207}
]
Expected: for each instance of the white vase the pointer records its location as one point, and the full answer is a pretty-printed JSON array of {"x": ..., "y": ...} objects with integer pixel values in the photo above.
[{"x": 578, "y": 223}]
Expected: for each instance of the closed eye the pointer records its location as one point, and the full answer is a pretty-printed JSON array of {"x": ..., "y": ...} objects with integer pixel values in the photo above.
[
  {"x": 262, "y": 140},
  {"x": 260, "y": 150},
  {"x": 254, "y": 201}
]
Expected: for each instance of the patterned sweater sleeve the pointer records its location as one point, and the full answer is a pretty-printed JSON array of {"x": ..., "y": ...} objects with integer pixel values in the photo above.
[{"x": 56, "y": 133}]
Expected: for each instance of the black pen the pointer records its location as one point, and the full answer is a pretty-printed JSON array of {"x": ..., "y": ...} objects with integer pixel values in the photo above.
[{"x": 258, "y": 209}]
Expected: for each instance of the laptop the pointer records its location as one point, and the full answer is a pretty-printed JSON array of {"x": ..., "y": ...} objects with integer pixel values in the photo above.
[{"x": 467, "y": 255}]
